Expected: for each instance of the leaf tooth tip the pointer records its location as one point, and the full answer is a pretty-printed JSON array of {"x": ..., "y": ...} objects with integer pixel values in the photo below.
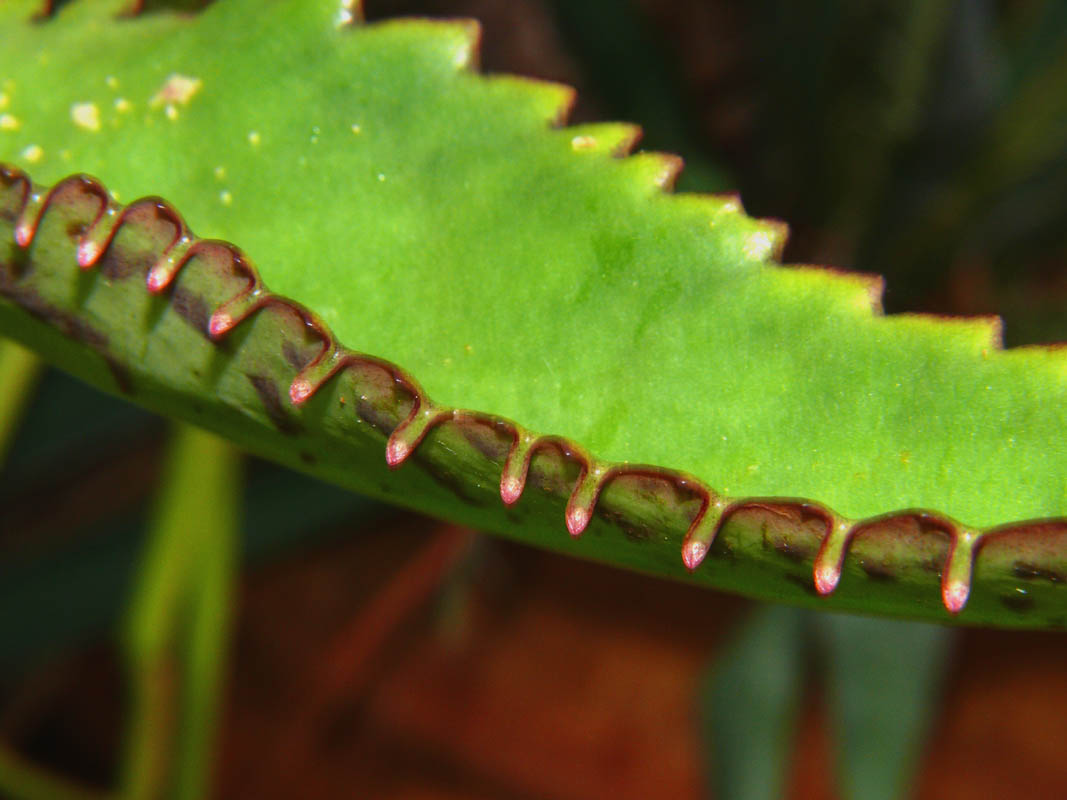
[
  {"x": 510, "y": 490},
  {"x": 220, "y": 323},
  {"x": 23, "y": 235},
  {"x": 157, "y": 280},
  {"x": 577, "y": 520},
  {"x": 88, "y": 254},
  {"x": 955, "y": 595},
  {"x": 300, "y": 390},
  {"x": 826, "y": 578},
  {"x": 693, "y": 554},
  {"x": 396, "y": 451}
]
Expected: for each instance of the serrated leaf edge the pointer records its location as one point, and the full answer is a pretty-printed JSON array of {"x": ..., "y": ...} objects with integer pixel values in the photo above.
[{"x": 965, "y": 543}]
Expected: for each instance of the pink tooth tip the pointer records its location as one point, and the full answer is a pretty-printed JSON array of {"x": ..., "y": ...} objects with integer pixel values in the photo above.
[
  {"x": 955, "y": 596},
  {"x": 220, "y": 323},
  {"x": 299, "y": 391},
  {"x": 826, "y": 578},
  {"x": 693, "y": 554},
  {"x": 156, "y": 280},
  {"x": 577, "y": 519},
  {"x": 23, "y": 235},
  {"x": 395, "y": 453},
  {"x": 510, "y": 490},
  {"x": 88, "y": 253}
]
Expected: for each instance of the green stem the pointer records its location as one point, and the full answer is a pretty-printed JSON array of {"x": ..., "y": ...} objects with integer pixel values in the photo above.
[
  {"x": 19, "y": 371},
  {"x": 205, "y": 657},
  {"x": 176, "y": 626}
]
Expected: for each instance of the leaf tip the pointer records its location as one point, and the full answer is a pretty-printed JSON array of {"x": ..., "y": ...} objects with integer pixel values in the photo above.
[
  {"x": 826, "y": 578},
  {"x": 88, "y": 254},
  {"x": 510, "y": 490},
  {"x": 693, "y": 553},
  {"x": 23, "y": 234},
  {"x": 954, "y": 594},
  {"x": 396, "y": 452},
  {"x": 577, "y": 520},
  {"x": 220, "y": 323},
  {"x": 157, "y": 279},
  {"x": 299, "y": 390}
]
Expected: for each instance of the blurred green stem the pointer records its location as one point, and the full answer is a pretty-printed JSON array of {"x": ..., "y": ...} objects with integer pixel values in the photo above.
[
  {"x": 883, "y": 681},
  {"x": 179, "y": 616},
  {"x": 749, "y": 703},
  {"x": 19, "y": 372}
]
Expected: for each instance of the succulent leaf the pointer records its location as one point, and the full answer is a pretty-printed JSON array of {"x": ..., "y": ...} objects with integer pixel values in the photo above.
[{"x": 400, "y": 205}]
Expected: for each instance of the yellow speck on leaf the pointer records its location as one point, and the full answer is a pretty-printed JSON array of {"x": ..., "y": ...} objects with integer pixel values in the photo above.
[
  {"x": 33, "y": 153},
  {"x": 9, "y": 122},
  {"x": 178, "y": 89},
  {"x": 86, "y": 116}
]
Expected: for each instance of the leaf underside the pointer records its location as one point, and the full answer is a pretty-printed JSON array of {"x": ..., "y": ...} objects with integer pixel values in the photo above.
[{"x": 441, "y": 220}]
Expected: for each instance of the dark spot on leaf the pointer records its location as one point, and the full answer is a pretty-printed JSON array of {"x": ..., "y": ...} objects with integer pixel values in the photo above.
[
  {"x": 192, "y": 308},
  {"x": 375, "y": 418},
  {"x": 307, "y": 457},
  {"x": 804, "y": 582},
  {"x": 634, "y": 531},
  {"x": 491, "y": 441},
  {"x": 272, "y": 404},
  {"x": 69, "y": 324},
  {"x": 1019, "y": 603},
  {"x": 787, "y": 549},
  {"x": 116, "y": 266},
  {"x": 293, "y": 357},
  {"x": 931, "y": 565},
  {"x": 721, "y": 548},
  {"x": 878, "y": 572},
  {"x": 1032, "y": 572},
  {"x": 120, "y": 374},
  {"x": 454, "y": 483},
  {"x": 76, "y": 230}
]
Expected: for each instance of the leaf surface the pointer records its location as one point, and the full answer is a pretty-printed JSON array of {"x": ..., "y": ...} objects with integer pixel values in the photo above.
[{"x": 440, "y": 220}]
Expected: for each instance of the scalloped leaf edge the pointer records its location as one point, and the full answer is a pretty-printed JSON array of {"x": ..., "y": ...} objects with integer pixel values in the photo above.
[
  {"x": 614, "y": 139},
  {"x": 965, "y": 543}
]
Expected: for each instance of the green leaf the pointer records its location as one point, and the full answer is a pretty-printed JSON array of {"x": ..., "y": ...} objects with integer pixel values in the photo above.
[
  {"x": 883, "y": 682},
  {"x": 436, "y": 219},
  {"x": 749, "y": 705},
  {"x": 19, "y": 372},
  {"x": 179, "y": 613}
]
